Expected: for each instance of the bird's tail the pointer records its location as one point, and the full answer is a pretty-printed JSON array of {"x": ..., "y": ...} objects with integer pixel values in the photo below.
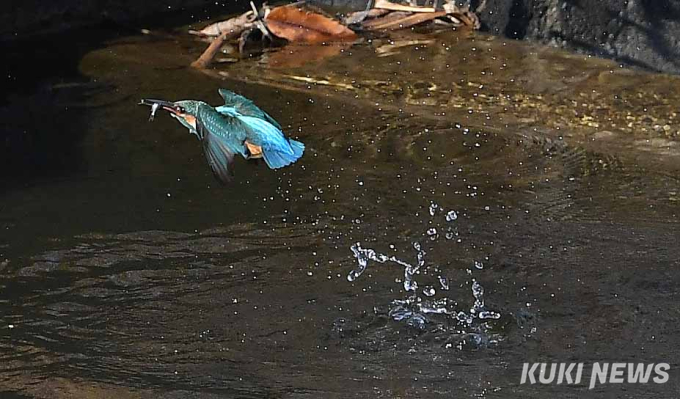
[
  {"x": 298, "y": 148},
  {"x": 279, "y": 157},
  {"x": 277, "y": 150}
]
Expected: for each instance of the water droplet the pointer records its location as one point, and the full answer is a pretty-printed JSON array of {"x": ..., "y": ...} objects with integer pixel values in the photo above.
[
  {"x": 489, "y": 315},
  {"x": 429, "y": 291},
  {"x": 478, "y": 293},
  {"x": 362, "y": 260},
  {"x": 444, "y": 283},
  {"x": 409, "y": 283},
  {"x": 477, "y": 290},
  {"x": 451, "y": 216}
]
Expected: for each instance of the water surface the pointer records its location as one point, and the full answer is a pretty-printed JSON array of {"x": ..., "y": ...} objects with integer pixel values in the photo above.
[{"x": 520, "y": 203}]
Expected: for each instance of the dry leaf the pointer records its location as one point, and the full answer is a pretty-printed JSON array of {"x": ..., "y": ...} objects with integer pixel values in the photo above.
[{"x": 298, "y": 25}]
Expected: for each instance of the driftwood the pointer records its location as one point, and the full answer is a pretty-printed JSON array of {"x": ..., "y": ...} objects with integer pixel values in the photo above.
[
  {"x": 401, "y": 20},
  {"x": 360, "y": 16},
  {"x": 231, "y": 29},
  {"x": 387, "y": 5},
  {"x": 206, "y": 58},
  {"x": 280, "y": 25},
  {"x": 466, "y": 18},
  {"x": 391, "y": 16}
]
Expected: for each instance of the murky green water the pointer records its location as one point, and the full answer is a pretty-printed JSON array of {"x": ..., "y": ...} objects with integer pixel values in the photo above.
[{"x": 130, "y": 272}]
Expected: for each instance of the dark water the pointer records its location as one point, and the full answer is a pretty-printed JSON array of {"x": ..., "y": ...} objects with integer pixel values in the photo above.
[{"x": 129, "y": 272}]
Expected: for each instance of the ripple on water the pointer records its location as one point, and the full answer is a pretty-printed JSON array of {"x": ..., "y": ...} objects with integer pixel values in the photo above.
[{"x": 124, "y": 307}]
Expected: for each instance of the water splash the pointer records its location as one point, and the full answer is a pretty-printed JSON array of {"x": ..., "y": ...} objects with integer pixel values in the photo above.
[
  {"x": 431, "y": 305},
  {"x": 364, "y": 255},
  {"x": 478, "y": 307}
]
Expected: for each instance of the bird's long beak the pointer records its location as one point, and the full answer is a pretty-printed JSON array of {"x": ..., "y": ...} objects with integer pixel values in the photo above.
[
  {"x": 166, "y": 105},
  {"x": 171, "y": 107}
]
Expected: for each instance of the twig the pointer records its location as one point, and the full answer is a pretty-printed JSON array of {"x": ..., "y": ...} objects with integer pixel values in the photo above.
[
  {"x": 206, "y": 58},
  {"x": 216, "y": 29},
  {"x": 387, "y": 5},
  {"x": 401, "y": 22},
  {"x": 359, "y": 16},
  {"x": 260, "y": 25}
]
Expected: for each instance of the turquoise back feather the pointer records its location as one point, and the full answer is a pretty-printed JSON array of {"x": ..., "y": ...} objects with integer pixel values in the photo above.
[{"x": 245, "y": 107}]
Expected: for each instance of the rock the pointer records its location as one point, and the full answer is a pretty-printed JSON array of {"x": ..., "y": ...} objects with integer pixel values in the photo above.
[
  {"x": 639, "y": 33},
  {"x": 642, "y": 33}
]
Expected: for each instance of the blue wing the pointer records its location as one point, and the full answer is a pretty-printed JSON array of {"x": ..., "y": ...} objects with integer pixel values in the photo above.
[
  {"x": 244, "y": 106},
  {"x": 222, "y": 137},
  {"x": 277, "y": 150},
  {"x": 220, "y": 157}
]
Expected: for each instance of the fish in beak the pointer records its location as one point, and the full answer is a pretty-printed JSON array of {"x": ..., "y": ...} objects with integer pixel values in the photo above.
[
  {"x": 157, "y": 104},
  {"x": 176, "y": 111}
]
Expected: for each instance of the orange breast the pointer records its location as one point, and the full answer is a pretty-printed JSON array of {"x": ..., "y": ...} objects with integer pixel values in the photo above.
[{"x": 190, "y": 120}]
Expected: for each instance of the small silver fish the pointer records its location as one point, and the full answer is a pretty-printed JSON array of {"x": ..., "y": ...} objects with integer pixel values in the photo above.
[{"x": 154, "y": 108}]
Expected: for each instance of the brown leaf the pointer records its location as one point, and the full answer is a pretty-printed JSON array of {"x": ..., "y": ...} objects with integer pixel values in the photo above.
[
  {"x": 400, "y": 20},
  {"x": 298, "y": 25}
]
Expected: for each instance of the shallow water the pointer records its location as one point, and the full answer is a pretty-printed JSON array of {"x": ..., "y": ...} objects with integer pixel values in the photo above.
[{"x": 128, "y": 271}]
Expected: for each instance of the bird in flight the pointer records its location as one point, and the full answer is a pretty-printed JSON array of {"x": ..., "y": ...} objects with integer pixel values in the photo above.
[{"x": 237, "y": 127}]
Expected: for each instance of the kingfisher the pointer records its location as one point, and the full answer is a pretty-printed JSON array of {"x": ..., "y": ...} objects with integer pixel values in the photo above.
[{"x": 237, "y": 127}]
